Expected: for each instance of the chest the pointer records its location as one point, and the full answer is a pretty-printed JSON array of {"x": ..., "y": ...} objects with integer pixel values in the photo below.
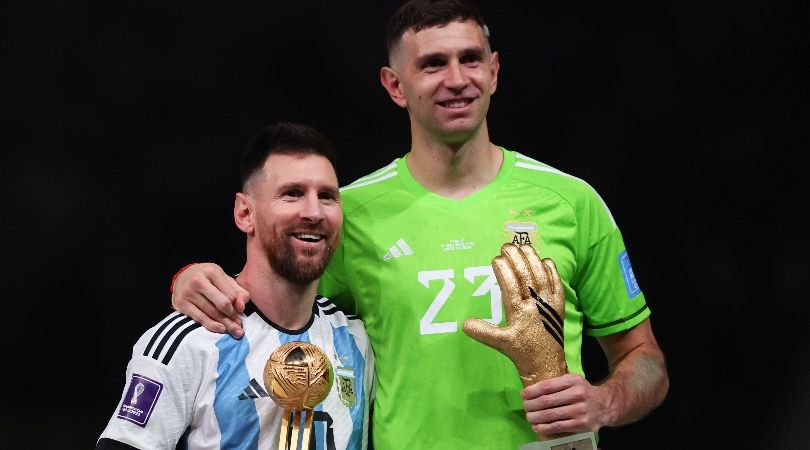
[{"x": 429, "y": 263}]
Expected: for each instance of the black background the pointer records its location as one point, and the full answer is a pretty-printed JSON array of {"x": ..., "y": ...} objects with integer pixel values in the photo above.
[{"x": 122, "y": 124}]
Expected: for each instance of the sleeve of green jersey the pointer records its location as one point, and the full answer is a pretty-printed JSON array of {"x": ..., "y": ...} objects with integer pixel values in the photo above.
[
  {"x": 333, "y": 282},
  {"x": 609, "y": 294}
]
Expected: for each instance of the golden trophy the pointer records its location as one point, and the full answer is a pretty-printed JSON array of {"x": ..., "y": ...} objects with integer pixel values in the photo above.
[
  {"x": 298, "y": 377},
  {"x": 534, "y": 303}
]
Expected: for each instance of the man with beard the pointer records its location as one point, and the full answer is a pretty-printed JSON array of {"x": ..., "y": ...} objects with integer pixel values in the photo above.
[{"x": 186, "y": 383}]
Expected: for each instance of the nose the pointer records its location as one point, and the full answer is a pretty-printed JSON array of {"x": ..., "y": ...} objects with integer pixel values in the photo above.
[
  {"x": 312, "y": 209},
  {"x": 456, "y": 78}
]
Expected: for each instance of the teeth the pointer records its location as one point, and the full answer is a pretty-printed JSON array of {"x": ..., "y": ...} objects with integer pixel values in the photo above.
[
  {"x": 314, "y": 237},
  {"x": 456, "y": 103}
]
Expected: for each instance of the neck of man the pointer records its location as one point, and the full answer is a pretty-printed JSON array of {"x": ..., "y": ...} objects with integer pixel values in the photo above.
[
  {"x": 454, "y": 168},
  {"x": 287, "y": 304}
]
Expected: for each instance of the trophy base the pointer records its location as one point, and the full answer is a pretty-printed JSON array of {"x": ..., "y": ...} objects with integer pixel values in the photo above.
[{"x": 581, "y": 441}]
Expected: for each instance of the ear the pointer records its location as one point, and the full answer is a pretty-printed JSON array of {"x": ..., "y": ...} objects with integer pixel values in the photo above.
[
  {"x": 494, "y": 67},
  {"x": 391, "y": 82},
  {"x": 243, "y": 213}
]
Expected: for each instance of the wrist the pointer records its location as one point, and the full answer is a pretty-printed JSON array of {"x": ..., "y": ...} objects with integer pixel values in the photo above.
[
  {"x": 609, "y": 399},
  {"x": 177, "y": 274}
]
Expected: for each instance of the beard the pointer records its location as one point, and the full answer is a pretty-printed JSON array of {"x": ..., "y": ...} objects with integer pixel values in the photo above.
[{"x": 303, "y": 268}]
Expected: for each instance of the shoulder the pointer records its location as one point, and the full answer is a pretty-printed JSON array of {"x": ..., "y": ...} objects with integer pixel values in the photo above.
[
  {"x": 575, "y": 191},
  {"x": 541, "y": 174},
  {"x": 174, "y": 334},
  {"x": 374, "y": 185},
  {"x": 332, "y": 313}
]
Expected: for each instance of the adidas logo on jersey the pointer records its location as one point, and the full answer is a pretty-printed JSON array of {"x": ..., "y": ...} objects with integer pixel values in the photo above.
[
  {"x": 399, "y": 249},
  {"x": 253, "y": 390}
]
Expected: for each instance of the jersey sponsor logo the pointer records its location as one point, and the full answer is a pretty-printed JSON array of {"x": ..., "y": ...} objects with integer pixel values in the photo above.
[
  {"x": 398, "y": 250},
  {"x": 140, "y": 399},
  {"x": 457, "y": 244},
  {"x": 253, "y": 390},
  {"x": 520, "y": 233},
  {"x": 630, "y": 282}
]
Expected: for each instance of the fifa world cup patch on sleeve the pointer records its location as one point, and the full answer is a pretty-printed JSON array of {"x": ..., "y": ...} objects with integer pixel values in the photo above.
[
  {"x": 630, "y": 282},
  {"x": 140, "y": 399}
]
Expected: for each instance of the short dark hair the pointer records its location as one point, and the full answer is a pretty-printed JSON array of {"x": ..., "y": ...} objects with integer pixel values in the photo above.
[
  {"x": 417, "y": 15},
  {"x": 284, "y": 138}
]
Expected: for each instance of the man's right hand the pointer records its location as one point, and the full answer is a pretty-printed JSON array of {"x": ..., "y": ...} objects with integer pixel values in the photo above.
[{"x": 213, "y": 299}]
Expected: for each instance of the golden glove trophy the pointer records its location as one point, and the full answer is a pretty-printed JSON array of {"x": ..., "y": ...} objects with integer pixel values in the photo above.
[
  {"x": 534, "y": 302},
  {"x": 298, "y": 377}
]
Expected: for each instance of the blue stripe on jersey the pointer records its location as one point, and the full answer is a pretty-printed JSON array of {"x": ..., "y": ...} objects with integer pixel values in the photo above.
[
  {"x": 238, "y": 420},
  {"x": 345, "y": 346}
]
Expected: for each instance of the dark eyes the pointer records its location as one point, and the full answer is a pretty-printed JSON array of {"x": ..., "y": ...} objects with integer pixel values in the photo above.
[
  {"x": 296, "y": 193},
  {"x": 435, "y": 63},
  {"x": 470, "y": 59},
  {"x": 292, "y": 193}
]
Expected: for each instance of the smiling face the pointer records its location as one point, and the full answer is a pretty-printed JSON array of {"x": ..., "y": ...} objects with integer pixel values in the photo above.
[
  {"x": 445, "y": 76},
  {"x": 291, "y": 211}
]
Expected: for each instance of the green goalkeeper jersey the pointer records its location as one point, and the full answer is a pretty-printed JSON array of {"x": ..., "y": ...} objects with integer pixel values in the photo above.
[{"x": 414, "y": 265}]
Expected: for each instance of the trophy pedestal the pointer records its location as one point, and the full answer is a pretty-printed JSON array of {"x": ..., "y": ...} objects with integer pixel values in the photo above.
[{"x": 581, "y": 441}]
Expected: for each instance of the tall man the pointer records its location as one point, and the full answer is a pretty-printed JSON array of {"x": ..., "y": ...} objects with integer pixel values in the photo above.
[
  {"x": 415, "y": 258},
  {"x": 185, "y": 382}
]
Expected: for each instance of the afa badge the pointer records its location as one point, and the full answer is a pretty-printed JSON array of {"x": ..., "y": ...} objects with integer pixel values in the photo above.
[
  {"x": 345, "y": 381},
  {"x": 520, "y": 233}
]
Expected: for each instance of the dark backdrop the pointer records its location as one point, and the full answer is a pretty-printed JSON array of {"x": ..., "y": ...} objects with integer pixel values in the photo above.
[{"x": 122, "y": 123}]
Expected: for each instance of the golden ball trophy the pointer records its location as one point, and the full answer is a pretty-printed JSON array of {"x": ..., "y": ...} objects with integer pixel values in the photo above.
[
  {"x": 534, "y": 303},
  {"x": 298, "y": 377}
]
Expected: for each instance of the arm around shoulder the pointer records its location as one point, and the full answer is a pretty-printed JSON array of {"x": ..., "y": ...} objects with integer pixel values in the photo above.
[{"x": 208, "y": 295}]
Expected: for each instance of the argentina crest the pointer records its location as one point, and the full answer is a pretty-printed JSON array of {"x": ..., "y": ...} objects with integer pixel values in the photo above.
[
  {"x": 345, "y": 382},
  {"x": 519, "y": 233}
]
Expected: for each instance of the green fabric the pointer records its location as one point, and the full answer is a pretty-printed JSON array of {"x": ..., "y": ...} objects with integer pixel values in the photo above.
[{"x": 436, "y": 387}]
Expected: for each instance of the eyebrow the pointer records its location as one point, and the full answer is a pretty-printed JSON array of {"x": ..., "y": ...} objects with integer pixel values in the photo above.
[
  {"x": 301, "y": 186},
  {"x": 476, "y": 50}
]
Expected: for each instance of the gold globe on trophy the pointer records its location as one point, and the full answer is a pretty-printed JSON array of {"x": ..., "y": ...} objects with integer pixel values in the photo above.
[{"x": 298, "y": 377}]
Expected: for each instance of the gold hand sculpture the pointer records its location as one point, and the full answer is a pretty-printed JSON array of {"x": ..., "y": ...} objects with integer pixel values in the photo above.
[{"x": 534, "y": 301}]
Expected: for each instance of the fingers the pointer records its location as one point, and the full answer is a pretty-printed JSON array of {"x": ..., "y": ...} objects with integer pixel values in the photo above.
[
  {"x": 559, "y": 405},
  {"x": 242, "y": 297},
  {"x": 199, "y": 294},
  {"x": 218, "y": 307},
  {"x": 521, "y": 268},
  {"x": 509, "y": 285},
  {"x": 571, "y": 423},
  {"x": 539, "y": 279},
  {"x": 219, "y": 288},
  {"x": 550, "y": 386},
  {"x": 558, "y": 294},
  {"x": 485, "y": 333},
  {"x": 233, "y": 299},
  {"x": 202, "y": 318}
]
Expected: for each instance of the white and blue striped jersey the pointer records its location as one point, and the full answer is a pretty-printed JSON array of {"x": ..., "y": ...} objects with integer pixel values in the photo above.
[{"x": 186, "y": 384}]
